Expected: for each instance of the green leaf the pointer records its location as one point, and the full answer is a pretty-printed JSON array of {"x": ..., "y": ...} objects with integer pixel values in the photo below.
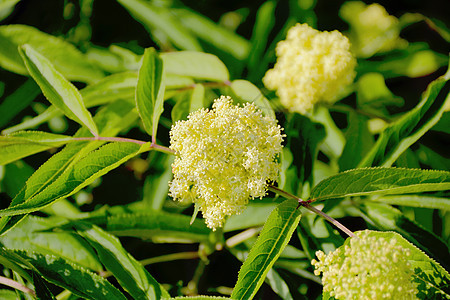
[
  {"x": 32, "y": 234},
  {"x": 72, "y": 277},
  {"x": 416, "y": 201},
  {"x": 64, "y": 56},
  {"x": 303, "y": 138},
  {"x": 21, "y": 144},
  {"x": 111, "y": 120},
  {"x": 410, "y": 127},
  {"x": 369, "y": 181},
  {"x": 278, "y": 285},
  {"x": 15, "y": 175},
  {"x": 198, "y": 65},
  {"x": 158, "y": 226},
  {"x": 6, "y": 7},
  {"x": 56, "y": 88},
  {"x": 188, "y": 102},
  {"x": 416, "y": 60},
  {"x": 156, "y": 189},
  {"x": 373, "y": 95},
  {"x": 41, "y": 288},
  {"x": 315, "y": 234},
  {"x": 76, "y": 176},
  {"x": 199, "y": 298},
  {"x": 129, "y": 272},
  {"x": 271, "y": 242},
  {"x": 211, "y": 33},
  {"x": 17, "y": 101},
  {"x": 359, "y": 141},
  {"x": 254, "y": 215},
  {"x": 109, "y": 89},
  {"x": 245, "y": 91},
  {"x": 385, "y": 217},
  {"x": 264, "y": 23},
  {"x": 150, "y": 91},
  {"x": 8, "y": 295},
  {"x": 158, "y": 18}
]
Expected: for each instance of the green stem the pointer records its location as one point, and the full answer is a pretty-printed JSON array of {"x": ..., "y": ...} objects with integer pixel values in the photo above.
[
  {"x": 16, "y": 285},
  {"x": 306, "y": 204},
  {"x": 242, "y": 236}
]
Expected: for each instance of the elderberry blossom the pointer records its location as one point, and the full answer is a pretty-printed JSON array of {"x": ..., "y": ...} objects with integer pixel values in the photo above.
[
  {"x": 311, "y": 66},
  {"x": 370, "y": 267},
  {"x": 372, "y": 29},
  {"x": 224, "y": 157}
]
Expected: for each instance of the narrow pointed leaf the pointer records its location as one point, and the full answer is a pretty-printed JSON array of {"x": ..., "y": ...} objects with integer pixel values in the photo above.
[
  {"x": 158, "y": 18},
  {"x": 56, "y": 88},
  {"x": 271, "y": 242},
  {"x": 368, "y": 181},
  {"x": 130, "y": 273},
  {"x": 17, "y": 101},
  {"x": 76, "y": 176},
  {"x": 32, "y": 234},
  {"x": 198, "y": 65},
  {"x": 72, "y": 277},
  {"x": 64, "y": 56},
  {"x": 401, "y": 134},
  {"x": 150, "y": 91},
  {"x": 278, "y": 285},
  {"x": 21, "y": 144},
  {"x": 111, "y": 120},
  {"x": 200, "y": 298},
  {"x": 416, "y": 201},
  {"x": 158, "y": 227},
  {"x": 41, "y": 288},
  {"x": 213, "y": 34},
  {"x": 248, "y": 92},
  {"x": 121, "y": 86}
]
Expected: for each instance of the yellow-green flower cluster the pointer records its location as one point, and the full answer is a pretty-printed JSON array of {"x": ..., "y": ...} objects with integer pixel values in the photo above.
[
  {"x": 372, "y": 29},
  {"x": 311, "y": 66},
  {"x": 224, "y": 156},
  {"x": 369, "y": 268}
]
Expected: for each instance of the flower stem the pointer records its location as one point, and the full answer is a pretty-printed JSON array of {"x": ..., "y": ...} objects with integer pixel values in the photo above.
[
  {"x": 16, "y": 285},
  {"x": 306, "y": 204}
]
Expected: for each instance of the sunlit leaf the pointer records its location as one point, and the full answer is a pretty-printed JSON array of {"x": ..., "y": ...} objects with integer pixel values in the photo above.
[
  {"x": 130, "y": 273},
  {"x": 160, "y": 18},
  {"x": 64, "y": 56},
  {"x": 195, "y": 64},
  {"x": 210, "y": 32},
  {"x": 72, "y": 277},
  {"x": 56, "y": 88},
  {"x": 368, "y": 181},
  {"x": 32, "y": 234},
  {"x": 150, "y": 91},
  {"x": 25, "y": 143},
  {"x": 271, "y": 242}
]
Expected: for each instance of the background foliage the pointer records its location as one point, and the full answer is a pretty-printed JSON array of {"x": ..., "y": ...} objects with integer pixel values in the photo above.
[{"x": 114, "y": 232}]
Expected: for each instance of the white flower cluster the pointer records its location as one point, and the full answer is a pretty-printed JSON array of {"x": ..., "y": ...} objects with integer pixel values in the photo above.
[
  {"x": 369, "y": 268},
  {"x": 224, "y": 156},
  {"x": 311, "y": 66}
]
